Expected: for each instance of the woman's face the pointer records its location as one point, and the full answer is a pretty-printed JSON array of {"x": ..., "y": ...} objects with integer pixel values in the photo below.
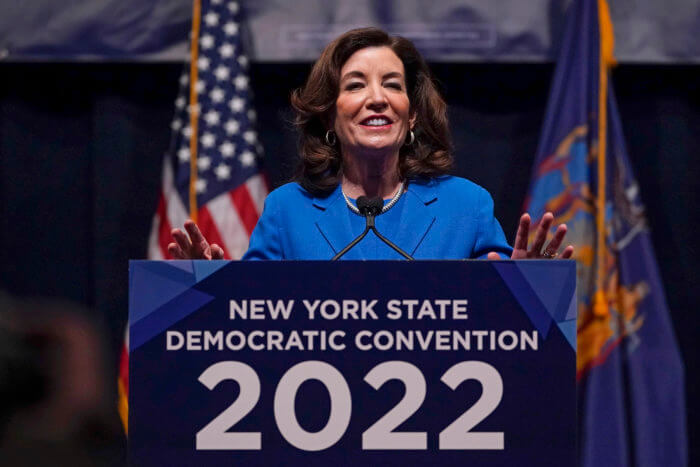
[{"x": 372, "y": 109}]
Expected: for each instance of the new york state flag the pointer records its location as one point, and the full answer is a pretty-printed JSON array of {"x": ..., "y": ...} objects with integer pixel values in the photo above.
[{"x": 631, "y": 402}]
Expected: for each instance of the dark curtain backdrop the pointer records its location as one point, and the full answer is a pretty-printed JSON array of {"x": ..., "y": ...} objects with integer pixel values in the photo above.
[{"x": 81, "y": 148}]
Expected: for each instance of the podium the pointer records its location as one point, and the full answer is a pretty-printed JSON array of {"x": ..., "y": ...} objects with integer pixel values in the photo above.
[{"x": 352, "y": 363}]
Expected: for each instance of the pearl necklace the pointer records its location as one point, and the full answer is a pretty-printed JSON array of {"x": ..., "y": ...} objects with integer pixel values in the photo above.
[{"x": 385, "y": 208}]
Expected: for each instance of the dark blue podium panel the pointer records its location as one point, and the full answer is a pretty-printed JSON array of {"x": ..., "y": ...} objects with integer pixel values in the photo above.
[{"x": 352, "y": 363}]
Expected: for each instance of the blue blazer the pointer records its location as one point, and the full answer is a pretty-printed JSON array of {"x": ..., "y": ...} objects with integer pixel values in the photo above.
[{"x": 441, "y": 218}]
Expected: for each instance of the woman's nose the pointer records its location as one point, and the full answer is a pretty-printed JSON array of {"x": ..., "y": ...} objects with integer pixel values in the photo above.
[{"x": 377, "y": 97}]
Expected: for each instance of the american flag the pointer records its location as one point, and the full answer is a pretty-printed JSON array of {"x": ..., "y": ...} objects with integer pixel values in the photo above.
[
  {"x": 230, "y": 189},
  {"x": 229, "y": 186}
]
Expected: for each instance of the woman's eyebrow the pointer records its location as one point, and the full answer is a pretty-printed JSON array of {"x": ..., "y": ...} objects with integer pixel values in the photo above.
[
  {"x": 359, "y": 74},
  {"x": 352, "y": 74},
  {"x": 393, "y": 74}
]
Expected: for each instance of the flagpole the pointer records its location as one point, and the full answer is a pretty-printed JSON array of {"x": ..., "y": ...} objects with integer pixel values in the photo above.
[
  {"x": 600, "y": 303},
  {"x": 194, "y": 111}
]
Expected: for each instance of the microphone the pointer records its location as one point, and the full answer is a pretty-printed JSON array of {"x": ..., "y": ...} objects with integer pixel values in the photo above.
[{"x": 369, "y": 208}]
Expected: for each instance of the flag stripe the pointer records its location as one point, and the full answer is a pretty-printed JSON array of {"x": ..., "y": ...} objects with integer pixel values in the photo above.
[
  {"x": 230, "y": 227},
  {"x": 176, "y": 212},
  {"x": 206, "y": 224},
  {"x": 124, "y": 363},
  {"x": 245, "y": 205},
  {"x": 154, "y": 243},
  {"x": 164, "y": 228},
  {"x": 257, "y": 187},
  {"x": 123, "y": 382}
]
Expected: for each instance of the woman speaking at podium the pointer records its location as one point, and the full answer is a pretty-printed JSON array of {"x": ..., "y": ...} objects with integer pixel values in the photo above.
[{"x": 373, "y": 124}]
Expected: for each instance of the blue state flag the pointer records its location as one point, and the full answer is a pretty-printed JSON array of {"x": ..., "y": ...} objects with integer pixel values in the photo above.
[{"x": 631, "y": 401}]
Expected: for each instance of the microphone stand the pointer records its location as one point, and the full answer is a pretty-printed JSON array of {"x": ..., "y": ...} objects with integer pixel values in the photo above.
[{"x": 370, "y": 208}]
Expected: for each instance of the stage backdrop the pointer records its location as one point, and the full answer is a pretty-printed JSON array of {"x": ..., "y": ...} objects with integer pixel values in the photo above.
[{"x": 283, "y": 30}]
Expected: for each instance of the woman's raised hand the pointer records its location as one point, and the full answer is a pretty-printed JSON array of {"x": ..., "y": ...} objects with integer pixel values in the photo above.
[
  {"x": 520, "y": 248},
  {"x": 193, "y": 247}
]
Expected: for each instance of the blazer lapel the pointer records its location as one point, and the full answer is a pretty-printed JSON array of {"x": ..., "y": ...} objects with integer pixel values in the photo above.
[
  {"x": 418, "y": 215},
  {"x": 333, "y": 222}
]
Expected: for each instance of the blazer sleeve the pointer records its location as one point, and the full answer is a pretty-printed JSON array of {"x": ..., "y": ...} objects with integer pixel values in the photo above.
[
  {"x": 265, "y": 241},
  {"x": 490, "y": 236}
]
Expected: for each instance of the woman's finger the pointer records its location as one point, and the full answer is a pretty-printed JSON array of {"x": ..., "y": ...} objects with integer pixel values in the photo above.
[
  {"x": 199, "y": 243},
  {"x": 175, "y": 251},
  {"x": 182, "y": 240},
  {"x": 216, "y": 251},
  {"x": 541, "y": 234},
  {"x": 200, "y": 246},
  {"x": 567, "y": 253},
  {"x": 493, "y": 256},
  {"x": 551, "y": 250},
  {"x": 523, "y": 232},
  {"x": 194, "y": 232}
]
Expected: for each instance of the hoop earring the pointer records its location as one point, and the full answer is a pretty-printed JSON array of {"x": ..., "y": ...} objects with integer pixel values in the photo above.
[
  {"x": 331, "y": 138},
  {"x": 412, "y": 139}
]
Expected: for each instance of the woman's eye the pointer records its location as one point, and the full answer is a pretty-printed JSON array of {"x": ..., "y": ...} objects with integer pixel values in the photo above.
[
  {"x": 352, "y": 86},
  {"x": 395, "y": 85}
]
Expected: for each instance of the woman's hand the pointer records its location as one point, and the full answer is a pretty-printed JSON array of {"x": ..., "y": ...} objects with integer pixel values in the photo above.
[
  {"x": 520, "y": 249},
  {"x": 198, "y": 248}
]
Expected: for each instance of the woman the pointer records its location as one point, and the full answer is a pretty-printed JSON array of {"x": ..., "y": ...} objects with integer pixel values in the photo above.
[{"x": 373, "y": 124}]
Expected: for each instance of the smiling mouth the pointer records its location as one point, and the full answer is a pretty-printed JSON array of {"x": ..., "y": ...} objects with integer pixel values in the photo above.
[{"x": 376, "y": 122}]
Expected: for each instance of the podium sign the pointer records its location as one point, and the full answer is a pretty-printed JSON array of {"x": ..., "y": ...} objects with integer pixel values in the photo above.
[{"x": 352, "y": 363}]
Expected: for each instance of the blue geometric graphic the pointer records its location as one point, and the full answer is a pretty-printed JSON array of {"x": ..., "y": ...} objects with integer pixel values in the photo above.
[
  {"x": 161, "y": 294},
  {"x": 162, "y": 318},
  {"x": 185, "y": 265},
  {"x": 554, "y": 291},
  {"x": 544, "y": 297},
  {"x": 568, "y": 328},
  {"x": 154, "y": 284},
  {"x": 203, "y": 268},
  {"x": 528, "y": 299}
]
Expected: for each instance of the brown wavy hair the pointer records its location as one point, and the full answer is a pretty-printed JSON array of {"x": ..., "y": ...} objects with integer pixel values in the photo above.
[{"x": 321, "y": 165}]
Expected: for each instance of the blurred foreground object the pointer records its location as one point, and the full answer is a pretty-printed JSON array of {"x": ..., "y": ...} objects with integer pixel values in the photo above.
[
  {"x": 631, "y": 406},
  {"x": 55, "y": 409}
]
